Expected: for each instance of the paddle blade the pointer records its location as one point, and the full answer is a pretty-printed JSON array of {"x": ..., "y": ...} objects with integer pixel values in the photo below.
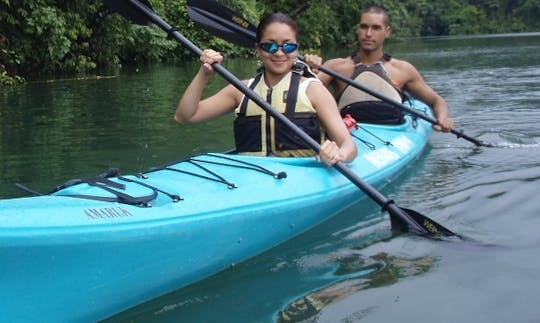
[
  {"x": 222, "y": 22},
  {"x": 431, "y": 227},
  {"x": 128, "y": 11}
]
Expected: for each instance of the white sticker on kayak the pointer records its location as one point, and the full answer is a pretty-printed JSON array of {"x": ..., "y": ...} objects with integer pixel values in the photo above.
[
  {"x": 381, "y": 157},
  {"x": 403, "y": 144}
]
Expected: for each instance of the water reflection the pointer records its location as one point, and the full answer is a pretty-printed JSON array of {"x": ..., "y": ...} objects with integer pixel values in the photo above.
[
  {"x": 54, "y": 131},
  {"x": 375, "y": 271}
]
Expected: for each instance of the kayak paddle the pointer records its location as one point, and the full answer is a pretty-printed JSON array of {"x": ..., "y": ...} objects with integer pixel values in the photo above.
[
  {"x": 224, "y": 23},
  {"x": 401, "y": 219}
]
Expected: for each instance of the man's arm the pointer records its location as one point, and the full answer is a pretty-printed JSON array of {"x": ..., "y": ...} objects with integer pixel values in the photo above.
[{"x": 416, "y": 85}]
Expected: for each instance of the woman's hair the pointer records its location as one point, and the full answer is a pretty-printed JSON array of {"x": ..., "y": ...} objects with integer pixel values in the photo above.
[{"x": 276, "y": 17}]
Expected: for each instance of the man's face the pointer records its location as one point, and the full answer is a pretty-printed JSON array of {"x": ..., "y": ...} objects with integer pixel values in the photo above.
[{"x": 372, "y": 31}]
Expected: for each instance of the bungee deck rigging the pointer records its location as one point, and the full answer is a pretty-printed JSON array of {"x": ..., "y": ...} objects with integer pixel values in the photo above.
[
  {"x": 111, "y": 181},
  {"x": 117, "y": 190},
  {"x": 113, "y": 190}
]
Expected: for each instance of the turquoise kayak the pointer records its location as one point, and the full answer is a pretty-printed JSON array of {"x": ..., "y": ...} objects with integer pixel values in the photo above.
[{"x": 97, "y": 246}]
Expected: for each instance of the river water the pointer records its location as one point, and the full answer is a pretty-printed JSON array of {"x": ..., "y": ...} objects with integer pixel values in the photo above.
[{"x": 347, "y": 269}]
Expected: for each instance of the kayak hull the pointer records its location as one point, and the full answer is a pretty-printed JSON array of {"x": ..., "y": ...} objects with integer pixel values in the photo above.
[{"x": 67, "y": 257}]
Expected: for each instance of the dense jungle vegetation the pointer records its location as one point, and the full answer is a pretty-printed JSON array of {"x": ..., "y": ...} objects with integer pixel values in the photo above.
[{"x": 50, "y": 38}]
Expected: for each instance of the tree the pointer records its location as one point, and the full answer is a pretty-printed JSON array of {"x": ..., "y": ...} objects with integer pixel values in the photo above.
[{"x": 51, "y": 37}]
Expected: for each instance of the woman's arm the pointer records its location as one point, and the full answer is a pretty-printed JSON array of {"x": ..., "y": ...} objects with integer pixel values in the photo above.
[{"x": 191, "y": 108}]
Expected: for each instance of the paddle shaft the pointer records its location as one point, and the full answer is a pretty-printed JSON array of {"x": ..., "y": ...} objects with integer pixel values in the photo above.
[
  {"x": 341, "y": 167},
  {"x": 238, "y": 25}
]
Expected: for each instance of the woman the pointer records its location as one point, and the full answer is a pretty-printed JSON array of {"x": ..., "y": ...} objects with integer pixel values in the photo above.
[{"x": 256, "y": 132}]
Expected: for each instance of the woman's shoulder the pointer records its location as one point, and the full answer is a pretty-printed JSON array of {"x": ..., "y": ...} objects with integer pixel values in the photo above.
[
  {"x": 308, "y": 80},
  {"x": 315, "y": 89},
  {"x": 310, "y": 83}
]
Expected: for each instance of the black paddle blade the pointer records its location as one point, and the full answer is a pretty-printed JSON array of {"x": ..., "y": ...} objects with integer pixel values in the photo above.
[
  {"x": 126, "y": 9},
  {"x": 430, "y": 227},
  {"x": 222, "y": 22}
]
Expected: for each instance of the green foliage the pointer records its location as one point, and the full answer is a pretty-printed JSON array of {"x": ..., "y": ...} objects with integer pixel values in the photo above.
[
  {"x": 11, "y": 59},
  {"x": 45, "y": 38},
  {"x": 428, "y": 17},
  {"x": 6, "y": 79},
  {"x": 466, "y": 19}
]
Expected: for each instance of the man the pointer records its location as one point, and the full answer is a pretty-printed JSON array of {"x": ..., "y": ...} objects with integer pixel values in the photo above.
[{"x": 380, "y": 72}]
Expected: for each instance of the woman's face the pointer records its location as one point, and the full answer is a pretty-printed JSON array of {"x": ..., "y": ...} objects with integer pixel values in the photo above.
[{"x": 278, "y": 62}]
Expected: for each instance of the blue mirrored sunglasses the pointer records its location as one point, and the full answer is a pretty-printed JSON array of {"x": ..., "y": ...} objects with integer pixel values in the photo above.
[{"x": 274, "y": 47}]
